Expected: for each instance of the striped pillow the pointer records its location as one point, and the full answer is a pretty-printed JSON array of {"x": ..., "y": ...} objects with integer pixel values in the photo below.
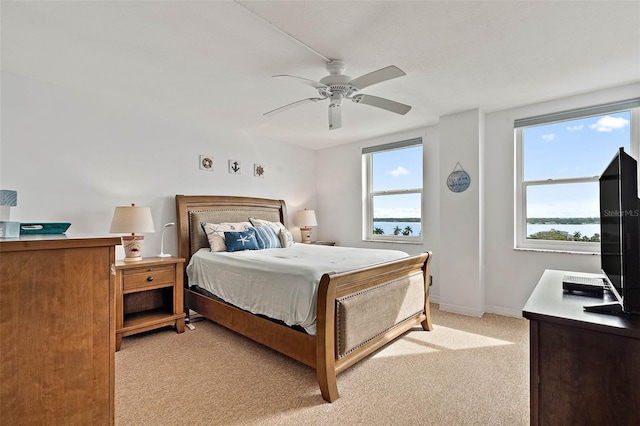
[{"x": 267, "y": 237}]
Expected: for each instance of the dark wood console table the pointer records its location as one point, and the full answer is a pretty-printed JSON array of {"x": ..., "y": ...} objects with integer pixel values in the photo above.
[{"x": 585, "y": 367}]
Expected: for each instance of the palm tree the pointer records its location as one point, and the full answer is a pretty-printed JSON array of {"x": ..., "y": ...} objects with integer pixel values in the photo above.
[
  {"x": 407, "y": 231},
  {"x": 378, "y": 231},
  {"x": 396, "y": 230},
  {"x": 577, "y": 235}
]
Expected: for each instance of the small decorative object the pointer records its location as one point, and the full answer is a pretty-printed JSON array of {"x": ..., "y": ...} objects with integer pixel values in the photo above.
[
  {"x": 235, "y": 167},
  {"x": 132, "y": 219},
  {"x": 258, "y": 170},
  {"x": 206, "y": 163},
  {"x": 305, "y": 219},
  {"x": 162, "y": 253},
  {"x": 9, "y": 229},
  {"x": 458, "y": 180},
  {"x": 8, "y": 199}
]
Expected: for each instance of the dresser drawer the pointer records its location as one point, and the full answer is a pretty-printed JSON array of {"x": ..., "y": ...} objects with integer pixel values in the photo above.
[{"x": 153, "y": 276}]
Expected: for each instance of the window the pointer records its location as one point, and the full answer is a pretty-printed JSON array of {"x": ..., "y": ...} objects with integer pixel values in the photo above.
[
  {"x": 392, "y": 192},
  {"x": 559, "y": 159}
]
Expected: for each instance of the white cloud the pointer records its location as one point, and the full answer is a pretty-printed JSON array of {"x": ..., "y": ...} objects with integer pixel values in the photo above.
[
  {"x": 548, "y": 137},
  {"x": 399, "y": 171},
  {"x": 576, "y": 127},
  {"x": 608, "y": 124}
]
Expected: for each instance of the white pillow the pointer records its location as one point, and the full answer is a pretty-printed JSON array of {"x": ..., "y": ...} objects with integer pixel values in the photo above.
[
  {"x": 215, "y": 233},
  {"x": 286, "y": 238}
]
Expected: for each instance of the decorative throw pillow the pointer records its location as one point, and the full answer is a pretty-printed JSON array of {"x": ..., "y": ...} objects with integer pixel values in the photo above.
[
  {"x": 215, "y": 233},
  {"x": 276, "y": 226},
  {"x": 286, "y": 238},
  {"x": 267, "y": 237},
  {"x": 238, "y": 241}
]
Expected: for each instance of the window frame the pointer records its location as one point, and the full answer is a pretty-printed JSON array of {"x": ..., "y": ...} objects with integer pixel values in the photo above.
[
  {"x": 368, "y": 194},
  {"x": 521, "y": 186}
]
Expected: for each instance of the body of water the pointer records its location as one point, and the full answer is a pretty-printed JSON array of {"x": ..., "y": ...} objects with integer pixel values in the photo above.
[
  {"x": 388, "y": 227},
  {"x": 585, "y": 229}
]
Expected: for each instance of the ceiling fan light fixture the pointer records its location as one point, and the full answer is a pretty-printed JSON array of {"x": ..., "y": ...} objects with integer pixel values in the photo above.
[{"x": 336, "y": 99}]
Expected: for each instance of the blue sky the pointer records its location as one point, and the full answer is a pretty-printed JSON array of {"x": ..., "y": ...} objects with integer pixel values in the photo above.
[
  {"x": 397, "y": 169},
  {"x": 569, "y": 149},
  {"x": 562, "y": 150}
]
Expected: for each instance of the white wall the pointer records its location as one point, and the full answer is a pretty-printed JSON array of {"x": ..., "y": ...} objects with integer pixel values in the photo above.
[
  {"x": 511, "y": 275},
  {"x": 461, "y": 287},
  {"x": 74, "y": 156},
  {"x": 472, "y": 235},
  {"x": 339, "y": 190}
]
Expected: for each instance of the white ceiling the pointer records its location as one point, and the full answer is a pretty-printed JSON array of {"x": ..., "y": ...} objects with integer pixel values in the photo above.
[{"x": 212, "y": 61}]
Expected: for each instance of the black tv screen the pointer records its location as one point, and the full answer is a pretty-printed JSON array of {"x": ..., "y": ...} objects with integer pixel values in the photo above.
[{"x": 620, "y": 231}]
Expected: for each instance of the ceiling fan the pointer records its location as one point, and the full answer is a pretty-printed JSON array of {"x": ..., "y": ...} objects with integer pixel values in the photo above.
[{"x": 337, "y": 87}]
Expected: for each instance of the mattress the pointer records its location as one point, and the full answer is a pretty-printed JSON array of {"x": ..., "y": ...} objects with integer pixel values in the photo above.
[{"x": 280, "y": 283}]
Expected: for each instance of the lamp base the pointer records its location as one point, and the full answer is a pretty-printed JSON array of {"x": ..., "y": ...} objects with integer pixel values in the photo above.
[
  {"x": 132, "y": 247},
  {"x": 305, "y": 235},
  {"x": 164, "y": 255}
]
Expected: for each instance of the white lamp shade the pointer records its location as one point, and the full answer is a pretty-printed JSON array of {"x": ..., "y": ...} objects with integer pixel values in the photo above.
[
  {"x": 305, "y": 218},
  {"x": 131, "y": 220}
]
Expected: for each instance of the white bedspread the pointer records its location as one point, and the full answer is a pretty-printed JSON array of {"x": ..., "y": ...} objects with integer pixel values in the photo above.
[{"x": 280, "y": 283}]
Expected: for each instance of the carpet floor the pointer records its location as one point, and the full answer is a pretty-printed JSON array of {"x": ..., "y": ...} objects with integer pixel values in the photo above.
[{"x": 467, "y": 371}]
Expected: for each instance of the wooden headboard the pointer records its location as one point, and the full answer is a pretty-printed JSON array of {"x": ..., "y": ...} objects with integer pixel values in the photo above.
[{"x": 193, "y": 209}]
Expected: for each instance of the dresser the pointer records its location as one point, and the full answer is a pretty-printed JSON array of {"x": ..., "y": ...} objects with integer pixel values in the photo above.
[
  {"x": 584, "y": 366},
  {"x": 57, "y": 330}
]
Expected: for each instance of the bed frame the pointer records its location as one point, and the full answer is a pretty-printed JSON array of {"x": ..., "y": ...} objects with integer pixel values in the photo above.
[{"x": 358, "y": 312}]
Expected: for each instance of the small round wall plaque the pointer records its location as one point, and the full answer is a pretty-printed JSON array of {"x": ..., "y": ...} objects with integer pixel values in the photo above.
[{"x": 458, "y": 180}]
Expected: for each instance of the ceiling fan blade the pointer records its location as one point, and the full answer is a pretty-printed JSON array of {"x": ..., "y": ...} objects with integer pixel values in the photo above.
[
  {"x": 291, "y": 105},
  {"x": 335, "y": 117},
  {"x": 383, "y": 103},
  {"x": 376, "y": 77},
  {"x": 311, "y": 83}
]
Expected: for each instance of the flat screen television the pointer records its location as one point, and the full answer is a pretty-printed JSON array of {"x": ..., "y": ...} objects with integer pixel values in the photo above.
[{"x": 620, "y": 234}]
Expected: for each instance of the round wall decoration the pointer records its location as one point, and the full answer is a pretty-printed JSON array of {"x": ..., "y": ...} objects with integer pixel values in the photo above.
[{"x": 458, "y": 180}]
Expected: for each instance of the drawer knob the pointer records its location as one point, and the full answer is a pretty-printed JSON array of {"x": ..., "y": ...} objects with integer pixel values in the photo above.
[{"x": 149, "y": 278}]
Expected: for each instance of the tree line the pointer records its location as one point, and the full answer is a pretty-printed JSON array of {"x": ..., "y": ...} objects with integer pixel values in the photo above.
[
  {"x": 563, "y": 220},
  {"x": 397, "y": 219}
]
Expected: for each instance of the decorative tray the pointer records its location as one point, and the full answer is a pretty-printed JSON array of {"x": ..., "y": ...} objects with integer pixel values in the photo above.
[{"x": 44, "y": 228}]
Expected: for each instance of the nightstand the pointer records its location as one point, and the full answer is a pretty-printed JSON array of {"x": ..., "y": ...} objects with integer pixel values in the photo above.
[
  {"x": 149, "y": 295},
  {"x": 323, "y": 243}
]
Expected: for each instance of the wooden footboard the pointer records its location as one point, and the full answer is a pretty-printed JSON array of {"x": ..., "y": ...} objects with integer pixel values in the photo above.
[{"x": 402, "y": 283}]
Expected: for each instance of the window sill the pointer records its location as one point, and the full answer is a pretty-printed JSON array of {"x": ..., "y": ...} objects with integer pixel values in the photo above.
[
  {"x": 563, "y": 251},
  {"x": 416, "y": 243}
]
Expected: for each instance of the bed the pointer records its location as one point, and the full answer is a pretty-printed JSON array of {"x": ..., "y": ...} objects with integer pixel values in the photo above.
[{"x": 357, "y": 311}]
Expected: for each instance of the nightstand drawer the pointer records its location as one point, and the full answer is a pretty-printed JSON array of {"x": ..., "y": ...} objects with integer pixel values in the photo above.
[{"x": 147, "y": 277}]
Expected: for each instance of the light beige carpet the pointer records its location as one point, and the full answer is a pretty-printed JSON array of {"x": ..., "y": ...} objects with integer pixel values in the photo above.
[{"x": 467, "y": 371}]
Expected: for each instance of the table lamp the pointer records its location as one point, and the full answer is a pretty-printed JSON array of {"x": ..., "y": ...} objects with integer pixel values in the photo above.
[
  {"x": 162, "y": 253},
  {"x": 305, "y": 219},
  {"x": 132, "y": 219}
]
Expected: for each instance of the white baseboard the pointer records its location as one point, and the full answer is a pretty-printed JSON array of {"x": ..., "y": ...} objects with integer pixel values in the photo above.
[
  {"x": 503, "y": 311},
  {"x": 463, "y": 310}
]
